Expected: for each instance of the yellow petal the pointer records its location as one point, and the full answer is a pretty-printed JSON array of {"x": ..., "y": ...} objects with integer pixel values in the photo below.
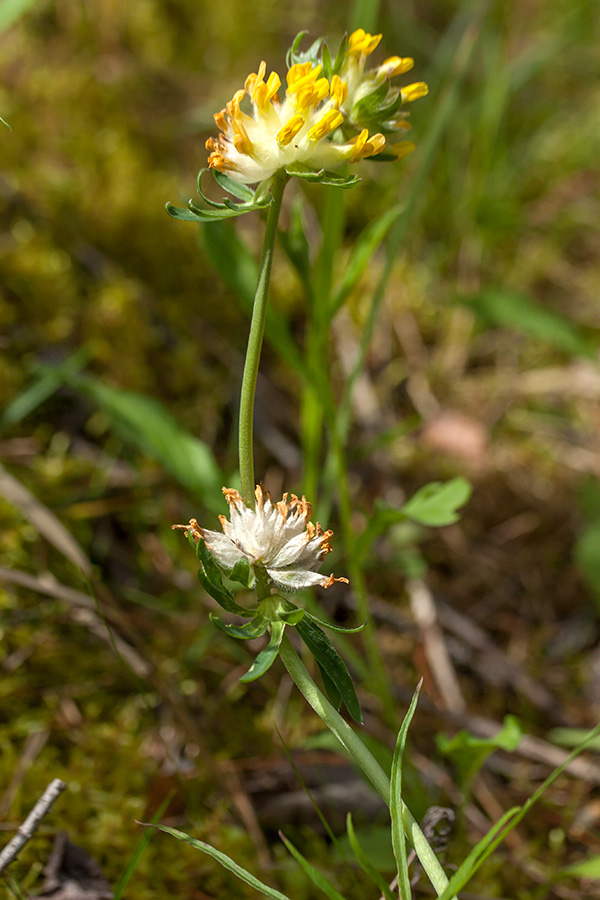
[
  {"x": 326, "y": 124},
  {"x": 414, "y": 91},
  {"x": 289, "y": 131}
]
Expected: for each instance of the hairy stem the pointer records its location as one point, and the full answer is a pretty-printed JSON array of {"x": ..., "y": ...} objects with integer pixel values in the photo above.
[
  {"x": 255, "y": 340},
  {"x": 359, "y": 753}
]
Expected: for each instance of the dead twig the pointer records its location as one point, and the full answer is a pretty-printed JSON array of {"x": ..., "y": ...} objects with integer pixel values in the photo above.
[{"x": 31, "y": 823}]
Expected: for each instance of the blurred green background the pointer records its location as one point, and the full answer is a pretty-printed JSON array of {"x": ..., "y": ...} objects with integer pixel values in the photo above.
[{"x": 122, "y": 346}]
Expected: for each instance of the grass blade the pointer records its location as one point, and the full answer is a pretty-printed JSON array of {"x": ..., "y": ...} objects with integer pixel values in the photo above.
[
  {"x": 224, "y": 860},
  {"x": 396, "y": 803},
  {"x": 315, "y": 876},
  {"x": 365, "y": 863}
]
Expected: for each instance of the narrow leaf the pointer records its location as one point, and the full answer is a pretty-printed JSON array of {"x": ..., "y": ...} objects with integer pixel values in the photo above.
[
  {"x": 212, "y": 581},
  {"x": 324, "y": 652},
  {"x": 241, "y": 572},
  {"x": 341, "y": 629},
  {"x": 317, "y": 878},
  {"x": 397, "y": 804},
  {"x": 254, "y": 629},
  {"x": 241, "y": 191},
  {"x": 330, "y": 688},
  {"x": 365, "y": 863},
  {"x": 291, "y": 616},
  {"x": 520, "y": 313},
  {"x": 266, "y": 657},
  {"x": 225, "y": 861}
]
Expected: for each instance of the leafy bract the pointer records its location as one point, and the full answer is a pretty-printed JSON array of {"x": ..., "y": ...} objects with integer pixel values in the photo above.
[
  {"x": 321, "y": 176},
  {"x": 215, "y": 212},
  {"x": 266, "y": 657}
]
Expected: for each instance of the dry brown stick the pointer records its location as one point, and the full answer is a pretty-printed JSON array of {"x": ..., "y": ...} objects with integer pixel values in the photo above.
[{"x": 29, "y": 826}]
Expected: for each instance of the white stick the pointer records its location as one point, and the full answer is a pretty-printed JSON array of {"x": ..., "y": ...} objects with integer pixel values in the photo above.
[{"x": 29, "y": 826}]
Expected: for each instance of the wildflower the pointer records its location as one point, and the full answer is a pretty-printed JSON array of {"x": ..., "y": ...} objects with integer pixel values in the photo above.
[
  {"x": 275, "y": 537},
  {"x": 320, "y": 122}
]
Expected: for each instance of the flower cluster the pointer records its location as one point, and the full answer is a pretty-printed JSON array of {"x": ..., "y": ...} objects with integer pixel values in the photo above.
[
  {"x": 330, "y": 113},
  {"x": 276, "y": 538}
]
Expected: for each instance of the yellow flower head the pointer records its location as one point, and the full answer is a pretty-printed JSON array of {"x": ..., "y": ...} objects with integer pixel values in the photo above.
[{"x": 323, "y": 119}]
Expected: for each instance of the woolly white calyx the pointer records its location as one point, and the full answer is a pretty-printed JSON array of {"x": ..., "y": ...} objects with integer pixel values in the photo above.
[{"x": 278, "y": 537}]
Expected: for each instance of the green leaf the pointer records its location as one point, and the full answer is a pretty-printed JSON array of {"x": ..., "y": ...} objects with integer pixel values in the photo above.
[
  {"x": 317, "y": 878},
  {"x": 212, "y": 581},
  {"x": 226, "y": 862},
  {"x": 148, "y": 426},
  {"x": 571, "y": 737},
  {"x": 10, "y": 10},
  {"x": 340, "y": 56},
  {"x": 296, "y": 246},
  {"x": 241, "y": 191},
  {"x": 241, "y": 572},
  {"x": 587, "y": 556},
  {"x": 585, "y": 868},
  {"x": 327, "y": 63},
  {"x": 45, "y": 382},
  {"x": 330, "y": 688},
  {"x": 370, "y": 103},
  {"x": 341, "y": 629},
  {"x": 469, "y": 753},
  {"x": 4, "y": 122},
  {"x": 254, "y": 629},
  {"x": 365, "y": 863},
  {"x": 291, "y": 616},
  {"x": 436, "y": 503},
  {"x": 364, "y": 247},
  {"x": 310, "y": 55},
  {"x": 324, "y": 652},
  {"x": 237, "y": 265},
  {"x": 516, "y": 311},
  {"x": 472, "y": 862},
  {"x": 321, "y": 176},
  {"x": 266, "y": 657},
  {"x": 397, "y": 804}
]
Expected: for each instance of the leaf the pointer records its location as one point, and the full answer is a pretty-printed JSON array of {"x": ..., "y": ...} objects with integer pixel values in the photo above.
[
  {"x": 587, "y": 556},
  {"x": 212, "y": 581},
  {"x": 585, "y": 868},
  {"x": 324, "y": 652},
  {"x": 341, "y": 629},
  {"x": 45, "y": 382},
  {"x": 469, "y": 753},
  {"x": 364, "y": 247},
  {"x": 365, "y": 863},
  {"x": 4, "y": 122},
  {"x": 330, "y": 688},
  {"x": 317, "y": 878},
  {"x": 397, "y": 804},
  {"x": 321, "y": 176},
  {"x": 296, "y": 247},
  {"x": 473, "y": 860},
  {"x": 266, "y": 657},
  {"x": 225, "y": 861},
  {"x": 254, "y": 629},
  {"x": 311, "y": 55},
  {"x": 10, "y": 10},
  {"x": 436, "y": 503},
  {"x": 291, "y": 616},
  {"x": 519, "y": 312},
  {"x": 241, "y": 572},
  {"x": 241, "y": 191},
  {"x": 148, "y": 426}
]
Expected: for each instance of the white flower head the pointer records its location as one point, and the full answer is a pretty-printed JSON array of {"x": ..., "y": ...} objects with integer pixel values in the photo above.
[{"x": 277, "y": 537}]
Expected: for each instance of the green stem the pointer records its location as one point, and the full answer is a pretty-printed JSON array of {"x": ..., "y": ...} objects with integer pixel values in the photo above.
[
  {"x": 359, "y": 753},
  {"x": 255, "y": 340}
]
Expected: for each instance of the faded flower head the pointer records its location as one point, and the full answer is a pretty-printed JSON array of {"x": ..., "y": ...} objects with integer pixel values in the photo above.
[
  {"x": 331, "y": 112},
  {"x": 278, "y": 538}
]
